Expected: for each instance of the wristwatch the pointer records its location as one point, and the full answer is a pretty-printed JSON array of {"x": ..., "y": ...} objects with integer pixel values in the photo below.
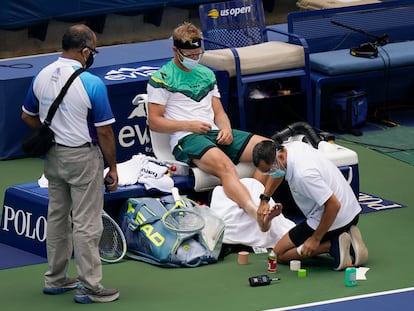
[{"x": 264, "y": 197}]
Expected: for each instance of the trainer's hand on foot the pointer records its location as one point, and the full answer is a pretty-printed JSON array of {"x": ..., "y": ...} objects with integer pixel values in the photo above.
[{"x": 265, "y": 218}]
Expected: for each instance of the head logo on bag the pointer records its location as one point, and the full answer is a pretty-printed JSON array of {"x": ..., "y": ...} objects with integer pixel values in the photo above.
[{"x": 150, "y": 241}]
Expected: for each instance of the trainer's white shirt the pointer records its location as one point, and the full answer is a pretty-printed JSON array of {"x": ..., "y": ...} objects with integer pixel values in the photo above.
[
  {"x": 312, "y": 179},
  {"x": 84, "y": 107}
]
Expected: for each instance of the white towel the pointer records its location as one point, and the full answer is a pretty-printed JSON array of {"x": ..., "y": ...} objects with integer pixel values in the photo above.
[
  {"x": 145, "y": 170},
  {"x": 140, "y": 168},
  {"x": 130, "y": 170},
  {"x": 241, "y": 228},
  {"x": 153, "y": 169},
  {"x": 164, "y": 183}
]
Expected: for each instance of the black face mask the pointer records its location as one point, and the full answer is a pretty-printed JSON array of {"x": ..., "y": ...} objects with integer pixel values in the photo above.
[{"x": 89, "y": 61}]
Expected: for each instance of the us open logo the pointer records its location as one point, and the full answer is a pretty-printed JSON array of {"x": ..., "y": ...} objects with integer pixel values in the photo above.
[{"x": 214, "y": 13}]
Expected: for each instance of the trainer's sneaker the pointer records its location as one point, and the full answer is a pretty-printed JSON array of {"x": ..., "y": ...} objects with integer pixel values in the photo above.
[
  {"x": 341, "y": 251},
  {"x": 358, "y": 246},
  {"x": 71, "y": 284},
  {"x": 85, "y": 295}
]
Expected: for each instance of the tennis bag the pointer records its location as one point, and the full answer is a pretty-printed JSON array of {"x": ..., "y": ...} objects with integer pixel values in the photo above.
[
  {"x": 148, "y": 240},
  {"x": 349, "y": 109}
]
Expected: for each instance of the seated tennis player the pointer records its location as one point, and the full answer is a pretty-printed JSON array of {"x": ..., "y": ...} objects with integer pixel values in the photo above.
[{"x": 183, "y": 100}]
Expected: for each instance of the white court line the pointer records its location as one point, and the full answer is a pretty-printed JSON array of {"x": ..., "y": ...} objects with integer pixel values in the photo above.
[{"x": 343, "y": 299}]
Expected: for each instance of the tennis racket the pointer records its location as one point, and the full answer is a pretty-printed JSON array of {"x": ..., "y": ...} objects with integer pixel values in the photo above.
[
  {"x": 112, "y": 246},
  {"x": 182, "y": 219}
]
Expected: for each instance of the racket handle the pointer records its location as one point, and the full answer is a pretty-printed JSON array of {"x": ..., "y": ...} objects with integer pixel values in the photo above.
[
  {"x": 176, "y": 194},
  {"x": 108, "y": 181}
]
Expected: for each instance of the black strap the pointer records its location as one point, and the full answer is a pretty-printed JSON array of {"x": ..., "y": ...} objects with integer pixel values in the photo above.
[
  {"x": 349, "y": 106},
  {"x": 56, "y": 103}
]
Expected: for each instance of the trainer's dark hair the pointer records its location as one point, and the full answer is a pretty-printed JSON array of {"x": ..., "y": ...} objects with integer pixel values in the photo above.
[
  {"x": 77, "y": 37},
  {"x": 265, "y": 151}
]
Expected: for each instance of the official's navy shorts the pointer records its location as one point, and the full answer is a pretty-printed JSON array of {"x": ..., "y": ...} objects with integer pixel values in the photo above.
[{"x": 300, "y": 233}]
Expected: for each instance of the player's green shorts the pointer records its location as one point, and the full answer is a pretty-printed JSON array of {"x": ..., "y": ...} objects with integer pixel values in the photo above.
[{"x": 194, "y": 146}]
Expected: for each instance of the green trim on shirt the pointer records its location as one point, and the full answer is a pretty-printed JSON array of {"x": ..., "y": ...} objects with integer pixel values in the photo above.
[{"x": 195, "y": 84}]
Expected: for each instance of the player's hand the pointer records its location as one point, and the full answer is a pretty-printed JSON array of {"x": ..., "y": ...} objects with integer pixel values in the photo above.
[
  {"x": 225, "y": 136},
  {"x": 275, "y": 210},
  {"x": 200, "y": 127}
]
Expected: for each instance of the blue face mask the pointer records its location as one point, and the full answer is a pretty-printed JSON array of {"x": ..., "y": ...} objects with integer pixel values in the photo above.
[
  {"x": 189, "y": 63},
  {"x": 278, "y": 173}
]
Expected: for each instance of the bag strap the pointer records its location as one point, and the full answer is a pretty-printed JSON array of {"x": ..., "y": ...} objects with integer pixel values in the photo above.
[
  {"x": 349, "y": 106},
  {"x": 53, "y": 108}
]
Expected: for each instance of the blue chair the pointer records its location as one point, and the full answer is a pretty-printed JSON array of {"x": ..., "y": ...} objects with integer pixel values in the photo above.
[{"x": 235, "y": 40}]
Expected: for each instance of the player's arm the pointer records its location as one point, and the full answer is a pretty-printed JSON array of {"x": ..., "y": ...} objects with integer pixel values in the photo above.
[
  {"x": 225, "y": 136},
  {"x": 159, "y": 123}
]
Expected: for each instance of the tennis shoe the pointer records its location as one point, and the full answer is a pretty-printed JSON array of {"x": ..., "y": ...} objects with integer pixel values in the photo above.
[
  {"x": 358, "y": 247},
  {"x": 85, "y": 295},
  {"x": 71, "y": 284},
  {"x": 341, "y": 251}
]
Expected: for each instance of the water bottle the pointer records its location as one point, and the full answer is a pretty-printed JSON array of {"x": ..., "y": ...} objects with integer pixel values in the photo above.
[{"x": 350, "y": 276}]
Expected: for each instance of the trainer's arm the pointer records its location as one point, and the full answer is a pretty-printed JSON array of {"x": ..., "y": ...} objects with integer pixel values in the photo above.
[
  {"x": 263, "y": 211},
  {"x": 332, "y": 206}
]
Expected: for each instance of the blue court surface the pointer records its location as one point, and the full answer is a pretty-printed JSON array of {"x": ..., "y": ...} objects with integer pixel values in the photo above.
[{"x": 400, "y": 299}]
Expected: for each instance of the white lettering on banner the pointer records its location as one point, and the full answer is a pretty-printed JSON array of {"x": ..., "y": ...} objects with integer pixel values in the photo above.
[
  {"x": 376, "y": 202},
  {"x": 236, "y": 11},
  {"x": 124, "y": 73},
  {"x": 128, "y": 133},
  {"x": 23, "y": 224}
]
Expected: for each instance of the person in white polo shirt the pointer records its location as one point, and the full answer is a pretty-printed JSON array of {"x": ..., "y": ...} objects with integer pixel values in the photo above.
[
  {"x": 322, "y": 194},
  {"x": 83, "y": 133}
]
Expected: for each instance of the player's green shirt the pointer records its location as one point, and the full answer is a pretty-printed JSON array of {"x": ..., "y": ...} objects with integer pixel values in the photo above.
[{"x": 195, "y": 84}]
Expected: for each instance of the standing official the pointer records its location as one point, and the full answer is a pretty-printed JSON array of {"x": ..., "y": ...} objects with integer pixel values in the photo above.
[{"x": 74, "y": 166}]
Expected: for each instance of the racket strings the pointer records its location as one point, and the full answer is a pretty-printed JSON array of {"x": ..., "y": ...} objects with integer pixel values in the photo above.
[
  {"x": 111, "y": 243},
  {"x": 182, "y": 220}
]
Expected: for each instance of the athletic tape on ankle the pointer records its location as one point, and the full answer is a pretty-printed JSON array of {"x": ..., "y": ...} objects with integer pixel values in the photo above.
[{"x": 299, "y": 250}]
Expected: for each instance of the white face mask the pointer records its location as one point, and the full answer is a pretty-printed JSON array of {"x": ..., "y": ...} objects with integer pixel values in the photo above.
[{"x": 189, "y": 63}]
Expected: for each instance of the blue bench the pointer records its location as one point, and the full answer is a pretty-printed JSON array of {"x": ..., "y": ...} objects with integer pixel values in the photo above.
[
  {"x": 329, "y": 45},
  {"x": 24, "y": 217}
]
